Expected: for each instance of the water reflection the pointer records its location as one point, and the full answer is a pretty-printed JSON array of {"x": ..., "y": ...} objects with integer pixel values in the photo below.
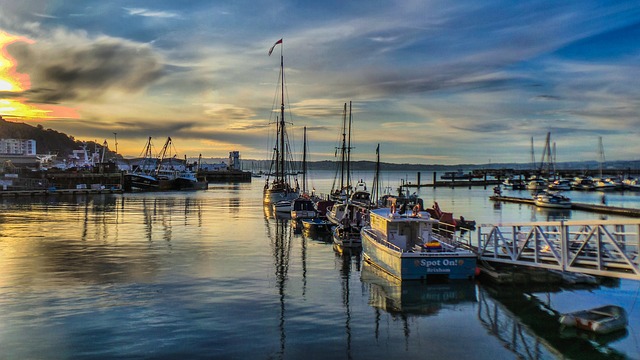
[
  {"x": 414, "y": 297},
  {"x": 530, "y": 328},
  {"x": 87, "y": 238},
  {"x": 348, "y": 261},
  {"x": 280, "y": 238}
]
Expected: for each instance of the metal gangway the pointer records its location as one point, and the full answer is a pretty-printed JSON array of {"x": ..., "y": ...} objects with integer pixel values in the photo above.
[{"x": 602, "y": 248}]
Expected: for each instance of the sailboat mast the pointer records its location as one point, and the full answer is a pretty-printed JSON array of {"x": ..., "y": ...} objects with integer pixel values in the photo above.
[
  {"x": 375, "y": 192},
  {"x": 349, "y": 155},
  {"x": 601, "y": 158},
  {"x": 343, "y": 151},
  {"x": 304, "y": 161},
  {"x": 281, "y": 175}
]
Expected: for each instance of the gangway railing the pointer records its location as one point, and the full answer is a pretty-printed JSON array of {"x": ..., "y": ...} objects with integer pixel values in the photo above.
[{"x": 603, "y": 248}]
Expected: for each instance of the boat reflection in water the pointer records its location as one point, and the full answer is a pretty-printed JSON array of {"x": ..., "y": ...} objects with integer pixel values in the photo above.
[
  {"x": 414, "y": 297},
  {"x": 529, "y": 327}
]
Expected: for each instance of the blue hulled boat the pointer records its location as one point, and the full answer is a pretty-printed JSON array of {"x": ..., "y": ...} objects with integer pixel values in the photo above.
[{"x": 405, "y": 246}]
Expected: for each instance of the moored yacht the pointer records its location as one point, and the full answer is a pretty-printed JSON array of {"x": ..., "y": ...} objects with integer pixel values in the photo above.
[{"x": 279, "y": 185}]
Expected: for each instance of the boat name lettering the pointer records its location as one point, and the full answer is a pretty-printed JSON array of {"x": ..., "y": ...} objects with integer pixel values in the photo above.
[{"x": 441, "y": 262}]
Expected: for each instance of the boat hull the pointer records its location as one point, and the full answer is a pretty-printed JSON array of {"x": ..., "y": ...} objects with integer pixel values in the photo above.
[
  {"x": 140, "y": 182},
  {"x": 189, "y": 184},
  {"x": 552, "y": 205},
  {"x": 316, "y": 224},
  {"x": 602, "y": 320},
  {"x": 273, "y": 196},
  {"x": 349, "y": 238},
  {"x": 418, "y": 265}
]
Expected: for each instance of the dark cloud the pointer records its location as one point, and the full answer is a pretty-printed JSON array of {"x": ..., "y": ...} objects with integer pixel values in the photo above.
[{"x": 81, "y": 69}]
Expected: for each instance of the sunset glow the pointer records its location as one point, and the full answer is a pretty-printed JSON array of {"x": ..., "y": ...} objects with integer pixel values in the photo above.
[
  {"x": 13, "y": 82},
  {"x": 469, "y": 82}
]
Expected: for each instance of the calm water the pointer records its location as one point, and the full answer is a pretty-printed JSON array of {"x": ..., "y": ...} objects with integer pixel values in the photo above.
[{"x": 212, "y": 275}]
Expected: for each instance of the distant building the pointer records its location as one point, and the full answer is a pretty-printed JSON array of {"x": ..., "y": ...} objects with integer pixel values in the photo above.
[
  {"x": 17, "y": 147},
  {"x": 234, "y": 160},
  {"x": 213, "y": 167}
]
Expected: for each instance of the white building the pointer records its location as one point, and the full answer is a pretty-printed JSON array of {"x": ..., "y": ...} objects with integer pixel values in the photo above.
[{"x": 17, "y": 147}]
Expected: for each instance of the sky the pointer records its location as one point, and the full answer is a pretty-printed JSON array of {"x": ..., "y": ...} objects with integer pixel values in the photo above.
[{"x": 432, "y": 82}]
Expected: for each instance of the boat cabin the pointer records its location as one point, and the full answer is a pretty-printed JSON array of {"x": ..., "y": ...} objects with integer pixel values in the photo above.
[{"x": 404, "y": 231}]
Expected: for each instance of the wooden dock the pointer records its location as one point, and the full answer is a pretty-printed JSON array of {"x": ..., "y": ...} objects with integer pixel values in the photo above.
[{"x": 603, "y": 209}]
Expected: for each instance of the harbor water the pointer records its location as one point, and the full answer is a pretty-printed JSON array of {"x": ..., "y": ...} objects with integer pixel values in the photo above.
[{"x": 215, "y": 275}]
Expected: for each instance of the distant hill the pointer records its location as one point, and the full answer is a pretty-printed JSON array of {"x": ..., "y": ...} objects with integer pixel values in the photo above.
[{"x": 48, "y": 141}]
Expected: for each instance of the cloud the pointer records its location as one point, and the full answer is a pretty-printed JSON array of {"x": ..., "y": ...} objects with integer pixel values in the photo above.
[
  {"x": 75, "y": 67},
  {"x": 150, "y": 13}
]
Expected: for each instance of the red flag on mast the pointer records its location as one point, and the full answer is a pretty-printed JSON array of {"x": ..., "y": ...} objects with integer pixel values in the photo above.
[{"x": 274, "y": 45}]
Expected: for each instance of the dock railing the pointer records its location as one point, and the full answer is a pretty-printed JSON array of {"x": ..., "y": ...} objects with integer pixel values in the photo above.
[{"x": 603, "y": 248}]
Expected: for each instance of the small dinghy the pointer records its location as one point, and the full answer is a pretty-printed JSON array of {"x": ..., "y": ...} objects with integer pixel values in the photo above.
[{"x": 600, "y": 320}]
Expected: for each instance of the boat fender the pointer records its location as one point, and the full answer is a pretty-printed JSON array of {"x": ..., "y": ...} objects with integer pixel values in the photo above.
[{"x": 416, "y": 210}]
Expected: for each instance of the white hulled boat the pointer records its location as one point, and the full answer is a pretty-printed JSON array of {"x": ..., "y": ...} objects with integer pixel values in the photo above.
[
  {"x": 551, "y": 199},
  {"x": 405, "y": 246}
]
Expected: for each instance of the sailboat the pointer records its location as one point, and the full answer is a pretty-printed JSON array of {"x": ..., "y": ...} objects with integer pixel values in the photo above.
[
  {"x": 341, "y": 192},
  {"x": 602, "y": 184},
  {"x": 278, "y": 185},
  {"x": 303, "y": 207}
]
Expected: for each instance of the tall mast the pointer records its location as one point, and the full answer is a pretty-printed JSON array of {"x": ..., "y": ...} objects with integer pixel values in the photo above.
[
  {"x": 282, "y": 131},
  {"x": 304, "y": 162},
  {"x": 375, "y": 191},
  {"x": 343, "y": 151},
  {"x": 601, "y": 158},
  {"x": 533, "y": 158},
  {"x": 349, "y": 155}
]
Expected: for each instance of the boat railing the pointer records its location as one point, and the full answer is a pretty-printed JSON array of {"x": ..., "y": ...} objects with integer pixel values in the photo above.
[
  {"x": 446, "y": 233},
  {"x": 372, "y": 235}
]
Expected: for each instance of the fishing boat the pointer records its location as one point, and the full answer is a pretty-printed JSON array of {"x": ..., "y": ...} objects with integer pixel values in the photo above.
[
  {"x": 279, "y": 184},
  {"x": 551, "y": 199},
  {"x": 142, "y": 177},
  {"x": 406, "y": 247},
  {"x": 600, "y": 320}
]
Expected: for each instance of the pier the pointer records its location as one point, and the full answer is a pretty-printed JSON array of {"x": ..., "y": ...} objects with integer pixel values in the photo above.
[
  {"x": 601, "y": 248},
  {"x": 603, "y": 209},
  {"x": 224, "y": 176}
]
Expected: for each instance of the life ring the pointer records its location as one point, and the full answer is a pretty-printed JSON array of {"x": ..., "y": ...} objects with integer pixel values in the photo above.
[
  {"x": 416, "y": 210},
  {"x": 393, "y": 208}
]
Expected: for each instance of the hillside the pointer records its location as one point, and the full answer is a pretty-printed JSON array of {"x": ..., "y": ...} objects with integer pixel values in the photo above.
[{"x": 48, "y": 141}]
